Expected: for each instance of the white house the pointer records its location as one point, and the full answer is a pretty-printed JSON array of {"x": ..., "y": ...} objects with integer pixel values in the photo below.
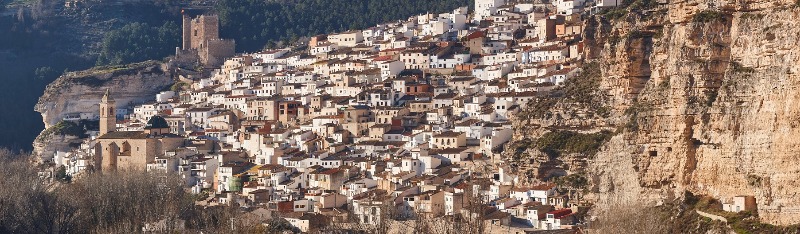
[
  {"x": 486, "y": 8},
  {"x": 740, "y": 203},
  {"x": 538, "y": 193},
  {"x": 568, "y": 7},
  {"x": 547, "y": 53},
  {"x": 391, "y": 68},
  {"x": 347, "y": 39},
  {"x": 199, "y": 116},
  {"x": 323, "y": 48}
]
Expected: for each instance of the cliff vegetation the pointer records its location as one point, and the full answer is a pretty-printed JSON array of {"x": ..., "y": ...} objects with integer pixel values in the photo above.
[{"x": 697, "y": 96}]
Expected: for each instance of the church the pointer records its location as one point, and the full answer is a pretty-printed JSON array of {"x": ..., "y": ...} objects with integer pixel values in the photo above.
[{"x": 130, "y": 150}]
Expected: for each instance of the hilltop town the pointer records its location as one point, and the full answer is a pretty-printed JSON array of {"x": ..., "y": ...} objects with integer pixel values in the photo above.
[{"x": 401, "y": 122}]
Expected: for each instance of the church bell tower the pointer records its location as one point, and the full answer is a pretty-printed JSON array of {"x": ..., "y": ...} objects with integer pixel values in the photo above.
[{"x": 108, "y": 115}]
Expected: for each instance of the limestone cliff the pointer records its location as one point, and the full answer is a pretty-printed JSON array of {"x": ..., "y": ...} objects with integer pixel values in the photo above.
[
  {"x": 80, "y": 92},
  {"x": 704, "y": 98}
]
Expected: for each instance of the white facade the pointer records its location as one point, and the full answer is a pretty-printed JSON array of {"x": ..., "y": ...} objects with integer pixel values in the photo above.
[
  {"x": 324, "y": 48},
  {"x": 557, "y": 54},
  {"x": 486, "y": 8},
  {"x": 347, "y": 39},
  {"x": 568, "y": 7},
  {"x": 390, "y": 69},
  {"x": 449, "y": 62}
]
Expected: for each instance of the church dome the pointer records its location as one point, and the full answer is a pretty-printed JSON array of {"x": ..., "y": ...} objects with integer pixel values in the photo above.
[{"x": 156, "y": 122}]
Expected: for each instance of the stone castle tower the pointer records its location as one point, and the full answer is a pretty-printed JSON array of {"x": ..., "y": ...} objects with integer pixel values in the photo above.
[
  {"x": 108, "y": 115},
  {"x": 201, "y": 35},
  {"x": 196, "y": 31}
]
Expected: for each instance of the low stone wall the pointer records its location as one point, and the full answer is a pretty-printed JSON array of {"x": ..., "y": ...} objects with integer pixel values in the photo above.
[
  {"x": 780, "y": 214},
  {"x": 712, "y": 216}
]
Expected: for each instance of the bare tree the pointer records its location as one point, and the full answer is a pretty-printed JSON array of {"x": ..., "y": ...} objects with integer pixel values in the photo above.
[
  {"x": 388, "y": 214},
  {"x": 122, "y": 202},
  {"x": 41, "y": 9},
  {"x": 24, "y": 199},
  {"x": 471, "y": 221},
  {"x": 125, "y": 201},
  {"x": 132, "y": 198},
  {"x": 629, "y": 217},
  {"x": 383, "y": 220},
  {"x": 422, "y": 223}
]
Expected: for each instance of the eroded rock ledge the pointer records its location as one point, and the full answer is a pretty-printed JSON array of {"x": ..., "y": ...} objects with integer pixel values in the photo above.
[{"x": 80, "y": 92}]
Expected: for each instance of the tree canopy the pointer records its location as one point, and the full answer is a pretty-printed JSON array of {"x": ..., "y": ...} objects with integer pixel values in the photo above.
[
  {"x": 255, "y": 23},
  {"x": 136, "y": 42}
]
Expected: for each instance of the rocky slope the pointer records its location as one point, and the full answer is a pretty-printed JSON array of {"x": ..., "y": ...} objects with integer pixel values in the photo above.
[
  {"x": 80, "y": 92},
  {"x": 703, "y": 95}
]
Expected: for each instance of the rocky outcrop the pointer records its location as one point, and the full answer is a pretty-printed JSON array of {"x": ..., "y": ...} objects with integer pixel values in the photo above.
[
  {"x": 716, "y": 115},
  {"x": 80, "y": 92},
  {"x": 45, "y": 146},
  {"x": 704, "y": 96}
]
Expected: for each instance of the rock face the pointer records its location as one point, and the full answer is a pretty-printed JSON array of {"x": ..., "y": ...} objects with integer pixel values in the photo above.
[
  {"x": 80, "y": 92},
  {"x": 46, "y": 146},
  {"x": 705, "y": 94}
]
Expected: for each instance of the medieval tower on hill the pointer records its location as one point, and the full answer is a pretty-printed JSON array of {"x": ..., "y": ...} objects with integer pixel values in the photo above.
[{"x": 201, "y": 36}]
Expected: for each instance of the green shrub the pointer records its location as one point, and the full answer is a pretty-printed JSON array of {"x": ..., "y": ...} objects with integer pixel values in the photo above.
[
  {"x": 582, "y": 89},
  {"x": 636, "y": 34},
  {"x": 738, "y": 68},
  {"x": 178, "y": 86},
  {"x": 664, "y": 85},
  {"x": 708, "y": 16},
  {"x": 633, "y": 114},
  {"x": 43, "y": 73},
  {"x": 603, "y": 111},
  {"x": 689, "y": 198},
  {"x": 711, "y": 96},
  {"x": 564, "y": 142},
  {"x": 65, "y": 128},
  {"x": 641, "y": 5},
  {"x": 752, "y": 16},
  {"x": 615, "y": 13},
  {"x": 576, "y": 181},
  {"x": 658, "y": 34},
  {"x": 61, "y": 175},
  {"x": 754, "y": 180},
  {"x": 708, "y": 204}
]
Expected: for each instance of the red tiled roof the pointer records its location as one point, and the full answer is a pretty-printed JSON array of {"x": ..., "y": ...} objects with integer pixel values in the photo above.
[
  {"x": 475, "y": 35},
  {"x": 383, "y": 58},
  {"x": 390, "y": 50},
  {"x": 560, "y": 213},
  {"x": 330, "y": 171},
  {"x": 461, "y": 186}
]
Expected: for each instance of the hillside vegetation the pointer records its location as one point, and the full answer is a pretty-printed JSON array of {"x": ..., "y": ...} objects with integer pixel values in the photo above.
[{"x": 255, "y": 23}]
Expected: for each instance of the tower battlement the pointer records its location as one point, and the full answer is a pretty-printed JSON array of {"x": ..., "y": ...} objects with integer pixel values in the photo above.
[{"x": 201, "y": 35}]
